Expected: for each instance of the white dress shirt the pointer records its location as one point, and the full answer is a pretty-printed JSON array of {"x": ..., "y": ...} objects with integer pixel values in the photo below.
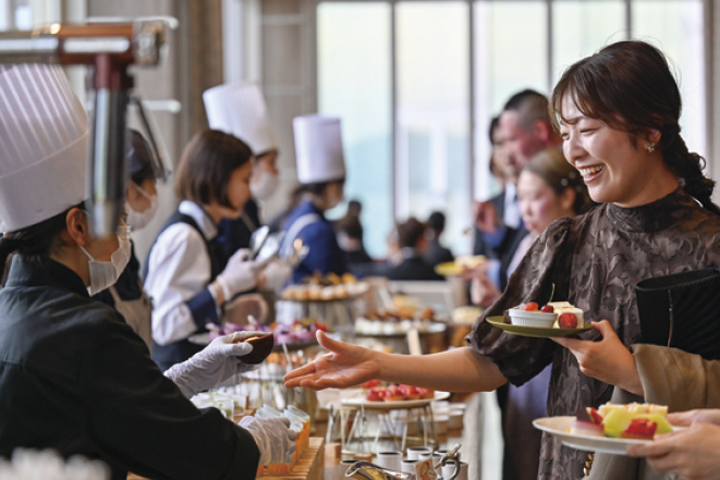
[
  {"x": 178, "y": 269},
  {"x": 511, "y": 217}
]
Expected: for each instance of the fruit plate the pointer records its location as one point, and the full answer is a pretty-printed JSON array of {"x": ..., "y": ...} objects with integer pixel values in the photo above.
[
  {"x": 361, "y": 401},
  {"x": 560, "y": 427},
  {"x": 539, "y": 332}
]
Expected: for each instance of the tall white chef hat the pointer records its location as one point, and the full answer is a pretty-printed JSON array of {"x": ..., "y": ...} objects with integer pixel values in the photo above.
[
  {"x": 239, "y": 109},
  {"x": 43, "y": 145},
  {"x": 318, "y": 149}
]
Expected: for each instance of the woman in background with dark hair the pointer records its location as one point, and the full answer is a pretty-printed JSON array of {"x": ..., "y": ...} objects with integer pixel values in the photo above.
[
  {"x": 413, "y": 242},
  {"x": 618, "y": 113},
  {"x": 185, "y": 272}
]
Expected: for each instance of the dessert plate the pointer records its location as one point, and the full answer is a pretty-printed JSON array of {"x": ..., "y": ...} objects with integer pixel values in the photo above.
[
  {"x": 360, "y": 400},
  {"x": 539, "y": 332},
  {"x": 560, "y": 427}
]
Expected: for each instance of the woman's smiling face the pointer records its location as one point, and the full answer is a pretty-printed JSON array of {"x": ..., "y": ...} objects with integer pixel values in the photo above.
[{"x": 614, "y": 169}]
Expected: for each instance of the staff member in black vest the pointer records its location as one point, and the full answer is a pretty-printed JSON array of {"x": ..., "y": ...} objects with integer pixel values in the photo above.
[
  {"x": 239, "y": 109},
  {"x": 74, "y": 377},
  {"x": 187, "y": 277}
]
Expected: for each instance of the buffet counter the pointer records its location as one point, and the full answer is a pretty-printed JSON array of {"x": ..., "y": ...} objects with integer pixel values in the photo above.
[{"x": 310, "y": 465}]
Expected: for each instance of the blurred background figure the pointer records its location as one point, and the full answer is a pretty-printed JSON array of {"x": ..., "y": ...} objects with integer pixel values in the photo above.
[
  {"x": 354, "y": 209},
  {"x": 141, "y": 203},
  {"x": 293, "y": 200},
  {"x": 523, "y": 130},
  {"x": 321, "y": 173},
  {"x": 413, "y": 243},
  {"x": 350, "y": 236},
  {"x": 436, "y": 253},
  {"x": 239, "y": 109}
]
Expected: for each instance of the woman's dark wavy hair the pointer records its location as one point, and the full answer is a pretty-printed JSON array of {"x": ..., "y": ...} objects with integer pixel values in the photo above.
[
  {"x": 206, "y": 165},
  {"x": 629, "y": 86},
  {"x": 35, "y": 243}
]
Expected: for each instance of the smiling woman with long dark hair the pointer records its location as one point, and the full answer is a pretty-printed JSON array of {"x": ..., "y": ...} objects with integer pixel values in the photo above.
[{"x": 618, "y": 113}]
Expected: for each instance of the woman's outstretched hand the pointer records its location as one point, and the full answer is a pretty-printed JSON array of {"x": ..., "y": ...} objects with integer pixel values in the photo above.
[
  {"x": 608, "y": 360},
  {"x": 344, "y": 366}
]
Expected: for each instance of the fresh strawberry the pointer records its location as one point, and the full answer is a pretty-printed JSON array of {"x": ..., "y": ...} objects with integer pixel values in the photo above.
[
  {"x": 371, "y": 384},
  {"x": 375, "y": 395},
  {"x": 407, "y": 390},
  {"x": 530, "y": 307},
  {"x": 425, "y": 392},
  {"x": 548, "y": 309},
  {"x": 567, "y": 320},
  {"x": 641, "y": 428},
  {"x": 393, "y": 390},
  {"x": 595, "y": 415}
]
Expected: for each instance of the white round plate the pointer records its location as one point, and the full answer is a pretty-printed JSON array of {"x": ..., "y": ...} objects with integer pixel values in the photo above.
[
  {"x": 560, "y": 427},
  {"x": 362, "y": 401}
]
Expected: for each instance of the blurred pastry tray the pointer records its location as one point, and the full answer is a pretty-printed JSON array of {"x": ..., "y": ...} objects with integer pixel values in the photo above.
[
  {"x": 204, "y": 339},
  {"x": 359, "y": 289},
  {"x": 435, "y": 327}
]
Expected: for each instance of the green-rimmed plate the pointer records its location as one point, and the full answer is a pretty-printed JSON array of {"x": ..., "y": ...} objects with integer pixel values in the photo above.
[{"x": 539, "y": 332}]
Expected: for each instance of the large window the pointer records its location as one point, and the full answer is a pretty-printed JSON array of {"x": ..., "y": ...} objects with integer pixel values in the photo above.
[
  {"x": 354, "y": 78},
  {"x": 26, "y": 14},
  {"x": 416, "y": 83}
]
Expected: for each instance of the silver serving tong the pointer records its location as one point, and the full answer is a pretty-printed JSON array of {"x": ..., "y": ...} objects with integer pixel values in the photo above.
[
  {"x": 298, "y": 253},
  {"x": 364, "y": 470},
  {"x": 451, "y": 457}
]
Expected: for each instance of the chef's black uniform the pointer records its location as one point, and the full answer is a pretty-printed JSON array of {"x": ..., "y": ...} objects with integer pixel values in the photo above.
[{"x": 74, "y": 377}]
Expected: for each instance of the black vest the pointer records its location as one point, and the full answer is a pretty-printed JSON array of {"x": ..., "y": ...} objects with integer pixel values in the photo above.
[{"x": 168, "y": 355}]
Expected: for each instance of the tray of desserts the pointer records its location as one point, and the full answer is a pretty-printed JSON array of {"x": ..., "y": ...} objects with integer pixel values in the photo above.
[
  {"x": 328, "y": 288},
  {"x": 556, "y": 319},
  {"x": 296, "y": 336},
  {"x": 378, "y": 396},
  {"x": 397, "y": 322}
]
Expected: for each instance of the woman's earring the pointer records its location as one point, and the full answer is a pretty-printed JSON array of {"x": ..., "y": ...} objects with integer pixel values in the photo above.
[{"x": 650, "y": 147}]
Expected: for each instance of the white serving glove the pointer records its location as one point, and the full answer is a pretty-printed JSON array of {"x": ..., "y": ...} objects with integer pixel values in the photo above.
[
  {"x": 217, "y": 362},
  {"x": 240, "y": 274},
  {"x": 273, "y": 438},
  {"x": 277, "y": 273}
]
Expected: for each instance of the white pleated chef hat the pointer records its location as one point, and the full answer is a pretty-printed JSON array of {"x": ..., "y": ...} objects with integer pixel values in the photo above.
[
  {"x": 43, "y": 145},
  {"x": 318, "y": 149},
  {"x": 239, "y": 109}
]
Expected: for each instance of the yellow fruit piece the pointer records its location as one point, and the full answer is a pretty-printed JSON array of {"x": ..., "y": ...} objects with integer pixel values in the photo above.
[{"x": 617, "y": 421}]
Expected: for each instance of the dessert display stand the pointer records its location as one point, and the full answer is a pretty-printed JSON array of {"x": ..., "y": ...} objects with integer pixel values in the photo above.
[{"x": 366, "y": 427}]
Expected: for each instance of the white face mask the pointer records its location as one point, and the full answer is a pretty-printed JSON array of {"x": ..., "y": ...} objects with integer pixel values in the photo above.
[
  {"x": 104, "y": 274},
  {"x": 138, "y": 220},
  {"x": 263, "y": 183}
]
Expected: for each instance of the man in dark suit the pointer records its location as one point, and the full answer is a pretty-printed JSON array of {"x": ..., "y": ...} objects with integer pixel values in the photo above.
[
  {"x": 436, "y": 253},
  {"x": 522, "y": 130}
]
